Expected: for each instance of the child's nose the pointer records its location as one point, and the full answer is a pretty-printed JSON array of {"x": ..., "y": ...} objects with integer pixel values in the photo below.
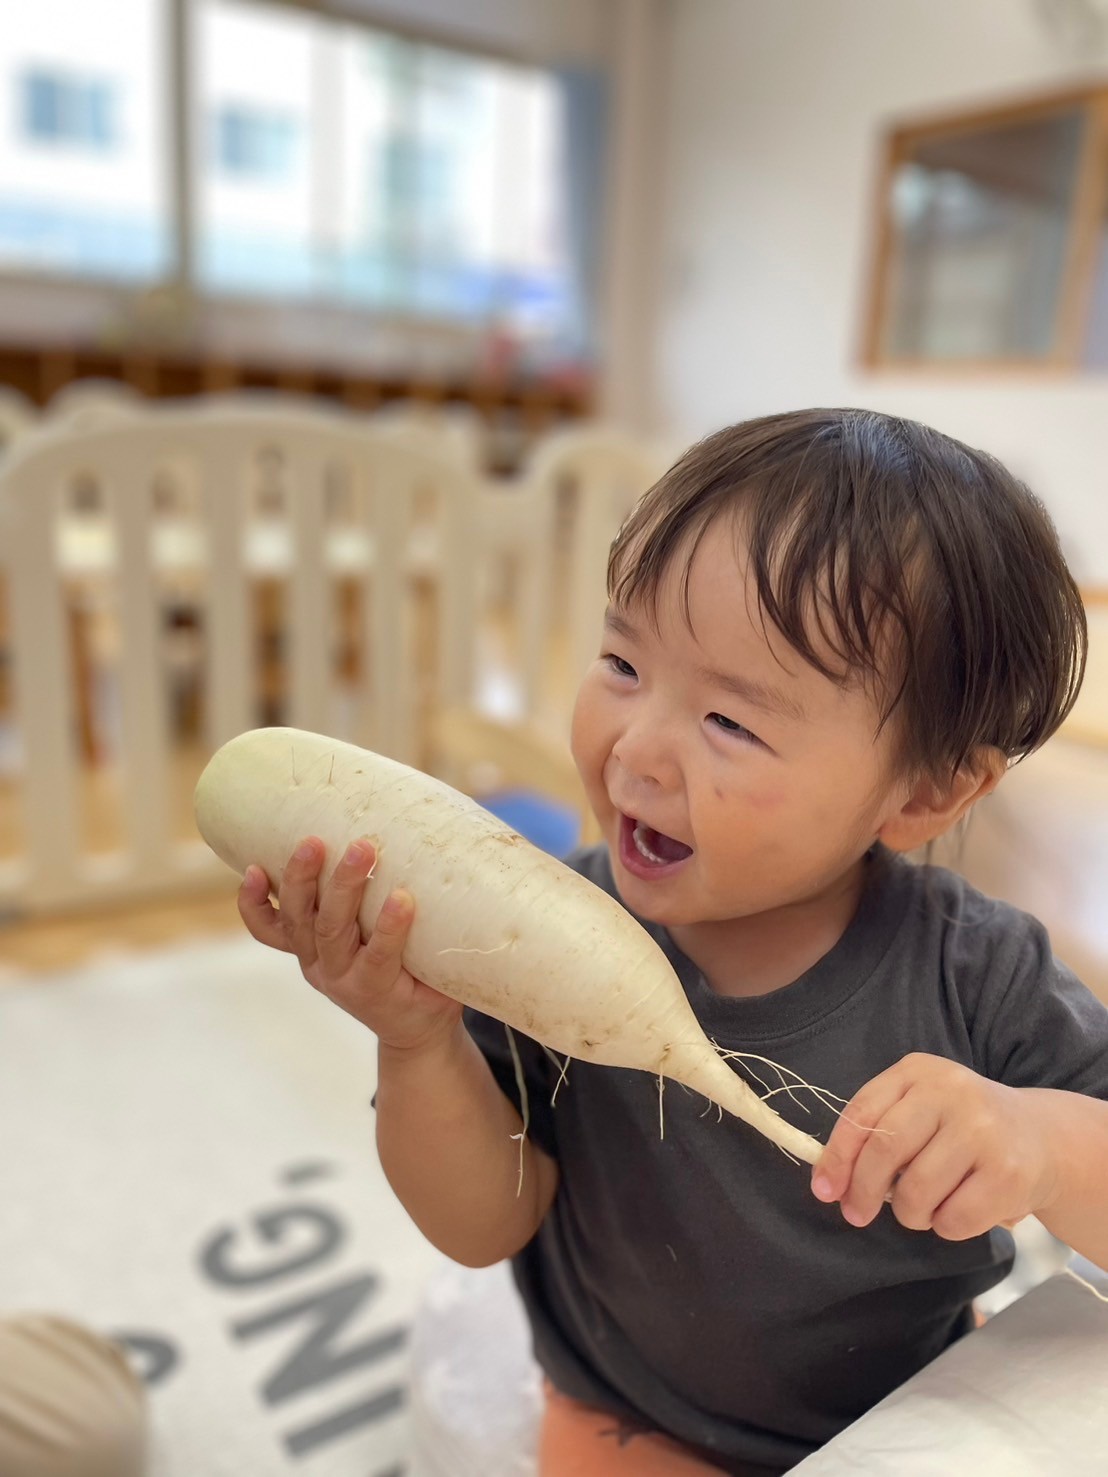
[{"x": 645, "y": 756}]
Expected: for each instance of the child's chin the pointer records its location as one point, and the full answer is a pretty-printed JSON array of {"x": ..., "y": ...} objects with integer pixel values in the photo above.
[{"x": 654, "y": 910}]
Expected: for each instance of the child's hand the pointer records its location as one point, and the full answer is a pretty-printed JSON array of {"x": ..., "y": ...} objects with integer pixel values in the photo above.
[
  {"x": 959, "y": 1152},
  {"x": 367, "y": 979}
]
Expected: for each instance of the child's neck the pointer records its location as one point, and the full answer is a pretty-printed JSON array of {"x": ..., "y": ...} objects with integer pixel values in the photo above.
[{"x": 767, "y": 951}]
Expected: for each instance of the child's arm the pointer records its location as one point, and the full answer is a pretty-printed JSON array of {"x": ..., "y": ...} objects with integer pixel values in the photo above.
[
  {"x": 1078, "y": 1132},
  {"x": 448, "y": 1138},
  {"x": 449, "y": 1142},
  {"x": 961, "y": 1154}
]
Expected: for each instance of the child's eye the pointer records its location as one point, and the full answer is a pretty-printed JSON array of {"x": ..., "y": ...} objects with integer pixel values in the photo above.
[
  {"x": 730, "y": 726},
  {"x": 619, "y": 666}
]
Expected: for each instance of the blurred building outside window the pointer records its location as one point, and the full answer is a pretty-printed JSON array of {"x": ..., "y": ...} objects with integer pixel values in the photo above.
[
  {"x": 255, "y": 143},
  {"x": 75, "y": 112},
  {"x": 83, "y": 142},
  {"x": 330, "y": 162},
  {"x": 993, "y": 246}
]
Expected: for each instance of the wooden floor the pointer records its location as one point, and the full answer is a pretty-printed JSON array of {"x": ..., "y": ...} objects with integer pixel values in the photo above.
[
  {"x": 43, "y": 946},
  {"x": 1041, "y": 842}
]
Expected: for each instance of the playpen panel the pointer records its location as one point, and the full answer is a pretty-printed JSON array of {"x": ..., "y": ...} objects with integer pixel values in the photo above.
[{"x": 248, "y": 523}]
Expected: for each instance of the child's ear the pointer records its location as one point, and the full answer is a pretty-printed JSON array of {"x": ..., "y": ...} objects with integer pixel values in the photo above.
[{"x": 931, "y": 809}]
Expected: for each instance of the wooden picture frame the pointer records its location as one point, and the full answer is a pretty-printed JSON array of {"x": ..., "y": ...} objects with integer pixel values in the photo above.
[{"x": 1087, "y": 219}]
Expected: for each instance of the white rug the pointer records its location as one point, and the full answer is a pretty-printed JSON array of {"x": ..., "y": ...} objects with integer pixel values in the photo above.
[{"x": 187, "y": 1157}]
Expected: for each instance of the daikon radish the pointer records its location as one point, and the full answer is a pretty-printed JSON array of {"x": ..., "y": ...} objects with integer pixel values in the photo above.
[{"x": 499, "y": 924}]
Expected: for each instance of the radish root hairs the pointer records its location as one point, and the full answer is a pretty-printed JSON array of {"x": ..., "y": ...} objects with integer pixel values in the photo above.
[
  {"x": 822, "y": 1093},
  {"x": 524, "y": 1103},
  {"x": 746, "y": 1057},
  {"x": 563, "y": 1073},
  {"x": 507, "y": 944}
]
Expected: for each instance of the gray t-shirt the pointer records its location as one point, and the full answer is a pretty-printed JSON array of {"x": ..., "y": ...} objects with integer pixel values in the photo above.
[{"x": 692, "y": 1283}]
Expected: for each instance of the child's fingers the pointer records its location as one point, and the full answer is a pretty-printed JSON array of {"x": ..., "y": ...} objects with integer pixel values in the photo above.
[
  {"x": 296, "y": 896},
  {"x": 902, "y": 1135},
  {"x": 337, "y": 934},
  {"x": 934, "y": 1174},
  {"x": 383, "y": 952},
  {"x": 971, "y": 1208},
  {"x": 260, "y": 916},
  {"x": 860, "y": 1126}
]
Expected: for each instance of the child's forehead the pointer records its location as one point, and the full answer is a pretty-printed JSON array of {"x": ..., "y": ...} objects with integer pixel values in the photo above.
[
  {"x": 709, "y": 584},
  {"x": 661, "y": 566},
  {"x": 710, "y": 570}
]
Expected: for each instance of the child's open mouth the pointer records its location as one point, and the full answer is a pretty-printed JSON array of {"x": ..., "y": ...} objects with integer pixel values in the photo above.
[{"x": 649, "y": 853}]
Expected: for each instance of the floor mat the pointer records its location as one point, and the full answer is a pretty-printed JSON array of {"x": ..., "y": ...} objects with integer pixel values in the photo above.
[{"x": 187, "y": 1159}]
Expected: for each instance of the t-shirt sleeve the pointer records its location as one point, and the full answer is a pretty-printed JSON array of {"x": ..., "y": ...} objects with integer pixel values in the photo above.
[
  {"x": 1035, "y": 1023},
  {"x": 539, "y": 1068},
  {"x": 539, "y": 1071}
]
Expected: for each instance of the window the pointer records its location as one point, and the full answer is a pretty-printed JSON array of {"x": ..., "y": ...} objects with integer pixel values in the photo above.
[
  {"x": 994, "y": 235},
  {"x": 453, "y": 186},
  {"x": 331, "y": 162},
  {"x": 74, "y": 111},
  {"x": 254, "y": 200},
  {"x": 255, "y": 145},
  {"x": 83, "y": 142},
  {"x": 401, "y": 177}
]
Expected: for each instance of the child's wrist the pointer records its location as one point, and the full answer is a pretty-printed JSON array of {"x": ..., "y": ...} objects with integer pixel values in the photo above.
[
  {"x": 435, "y": 1049},
  {"x": 1057, "y": 1115}
]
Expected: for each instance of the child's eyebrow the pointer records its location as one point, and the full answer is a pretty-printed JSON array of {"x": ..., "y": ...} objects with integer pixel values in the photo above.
[
  {"x": 751, "y": 689},
  {"x": 759, "y": 694}
]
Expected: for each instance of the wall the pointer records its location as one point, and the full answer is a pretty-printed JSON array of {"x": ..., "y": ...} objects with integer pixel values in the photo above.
[{"x": 775, "y": 115}]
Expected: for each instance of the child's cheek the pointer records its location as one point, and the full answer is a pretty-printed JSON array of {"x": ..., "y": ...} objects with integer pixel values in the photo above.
[
  {"x": 752, "y": 811},
  {"x": 766, "y": 801}
]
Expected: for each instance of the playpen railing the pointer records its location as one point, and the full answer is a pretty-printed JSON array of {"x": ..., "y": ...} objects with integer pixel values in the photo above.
[{"x": 255, "y": 494}]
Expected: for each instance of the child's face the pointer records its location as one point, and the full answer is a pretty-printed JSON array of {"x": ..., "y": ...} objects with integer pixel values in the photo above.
[{"x": 728, "y": 775}]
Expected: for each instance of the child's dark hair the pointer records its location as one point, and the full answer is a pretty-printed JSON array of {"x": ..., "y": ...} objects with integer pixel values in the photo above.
[{"x": 861, "y": 526}]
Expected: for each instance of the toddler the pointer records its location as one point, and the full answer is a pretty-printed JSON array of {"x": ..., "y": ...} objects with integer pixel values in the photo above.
[{"x": 828, "y": 635}]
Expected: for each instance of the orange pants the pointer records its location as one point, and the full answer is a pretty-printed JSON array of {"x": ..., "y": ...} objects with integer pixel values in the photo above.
[{"x": 578, "y": 1441}]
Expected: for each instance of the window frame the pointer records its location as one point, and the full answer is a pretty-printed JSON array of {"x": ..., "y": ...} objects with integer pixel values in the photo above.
[{"x": 1087, "y": 213}]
